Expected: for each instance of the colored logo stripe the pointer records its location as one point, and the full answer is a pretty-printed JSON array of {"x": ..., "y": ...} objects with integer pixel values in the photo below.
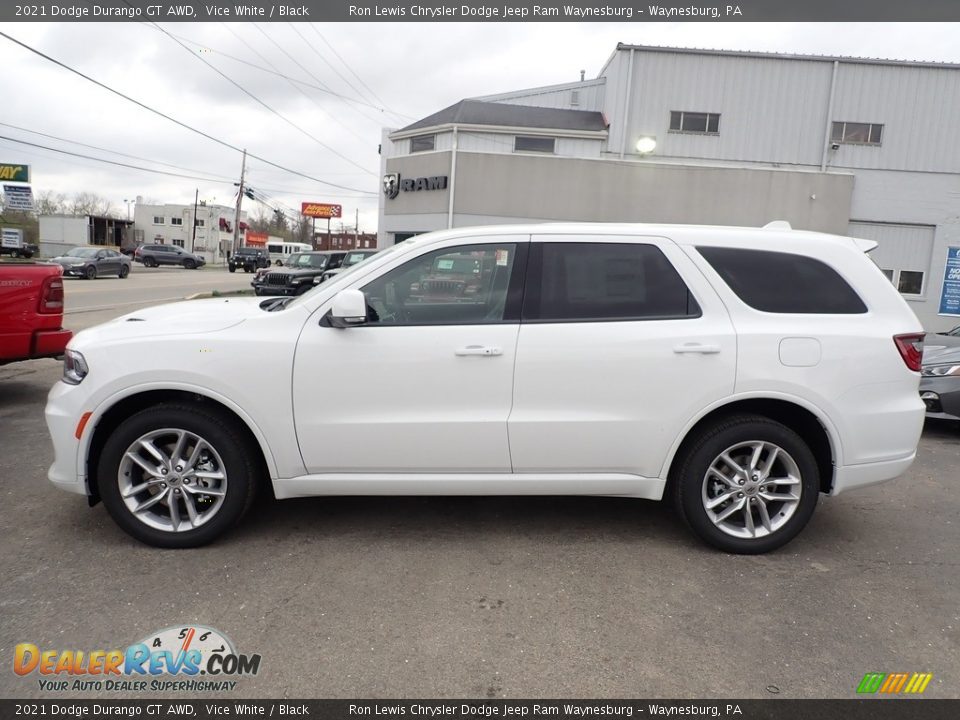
[{"x": 893, "y": 683}]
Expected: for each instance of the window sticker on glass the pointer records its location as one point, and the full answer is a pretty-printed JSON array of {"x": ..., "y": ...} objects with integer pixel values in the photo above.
[
  {"x": 502, "y": 257},
  {"x": 444, "y": 264}
]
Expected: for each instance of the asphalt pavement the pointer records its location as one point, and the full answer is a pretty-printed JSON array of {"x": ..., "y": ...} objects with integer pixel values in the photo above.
[{"x": 486, "y": 597}]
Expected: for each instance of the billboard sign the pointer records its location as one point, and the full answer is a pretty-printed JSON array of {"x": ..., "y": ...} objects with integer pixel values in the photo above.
[
  {"x": 11, "y": 238},
  {"x": 256, "y": 239},
  {"x": 950, "y": 292},
  {"x": 18, "y": 197},
  {"x": 320, "y": 210},
  {"x": 15, "y": 173}
]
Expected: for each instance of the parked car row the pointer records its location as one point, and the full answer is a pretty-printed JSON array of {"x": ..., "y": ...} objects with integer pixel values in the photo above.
[{"x": 302, "y": 271}]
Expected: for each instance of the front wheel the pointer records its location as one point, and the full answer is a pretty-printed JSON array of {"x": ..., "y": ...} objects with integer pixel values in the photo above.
[
  {"x": 124, "y": 271},
  {"x": 177, "y": 475},
  {"x": 747, "y": 484},
  {"x": 231, "y": 268},
  {"x": 90, "y": 273},
  {"x": 190, "y": 264}
]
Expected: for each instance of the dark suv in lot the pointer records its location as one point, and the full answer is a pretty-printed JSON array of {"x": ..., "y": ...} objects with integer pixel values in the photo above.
[
  {"x": 155, "y": 255},
  {"x": 297, "y": 277},
  {"x": 249, "y": 259}
]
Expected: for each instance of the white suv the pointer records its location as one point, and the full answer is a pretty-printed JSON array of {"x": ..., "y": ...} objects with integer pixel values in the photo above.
[{"x": 740, "y": 372}]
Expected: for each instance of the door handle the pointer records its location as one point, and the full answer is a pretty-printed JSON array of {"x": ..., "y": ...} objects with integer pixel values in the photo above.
[
  {"x": 696, "y": 348},
  {"x": 486, "y": 350}
]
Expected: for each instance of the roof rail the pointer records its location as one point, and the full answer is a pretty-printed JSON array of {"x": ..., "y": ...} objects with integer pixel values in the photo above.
[{"x": 778, "y": 225}]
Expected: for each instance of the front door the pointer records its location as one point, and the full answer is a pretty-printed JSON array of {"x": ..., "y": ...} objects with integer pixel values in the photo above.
[{"x": 425, "y": 385}]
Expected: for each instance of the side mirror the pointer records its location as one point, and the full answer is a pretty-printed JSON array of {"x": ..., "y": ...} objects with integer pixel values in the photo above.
[{"x": 349, "y": 309}]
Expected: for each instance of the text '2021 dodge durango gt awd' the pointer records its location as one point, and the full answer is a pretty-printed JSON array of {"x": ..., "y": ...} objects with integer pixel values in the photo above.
[{"x": 739, "y": 372}]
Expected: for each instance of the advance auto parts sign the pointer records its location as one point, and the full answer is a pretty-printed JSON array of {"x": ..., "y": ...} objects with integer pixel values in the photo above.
[{"x": 15, "y": 173}]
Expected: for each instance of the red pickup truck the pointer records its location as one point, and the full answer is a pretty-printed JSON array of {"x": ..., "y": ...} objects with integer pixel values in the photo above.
[{"x": 31, "y": 312}]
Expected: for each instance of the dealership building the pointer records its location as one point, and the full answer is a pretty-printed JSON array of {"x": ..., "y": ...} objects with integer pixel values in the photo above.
[{"x": 854, "y": 146}]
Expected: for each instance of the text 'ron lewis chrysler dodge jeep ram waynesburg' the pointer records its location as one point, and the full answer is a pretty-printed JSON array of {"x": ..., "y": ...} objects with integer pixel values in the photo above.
[{"x": 739, "y": 372}]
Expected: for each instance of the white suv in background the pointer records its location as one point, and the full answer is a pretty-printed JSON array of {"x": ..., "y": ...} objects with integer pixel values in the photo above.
[{"x": 741, "y": 372}]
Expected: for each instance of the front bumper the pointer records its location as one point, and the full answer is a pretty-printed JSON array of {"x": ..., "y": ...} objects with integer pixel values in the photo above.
[
  {"x": 75, "y": 271},
  {"x": 62, "y": 413}
]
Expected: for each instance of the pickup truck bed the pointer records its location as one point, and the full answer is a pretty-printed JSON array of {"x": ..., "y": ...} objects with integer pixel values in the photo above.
[{"x": 31, "y": 312}]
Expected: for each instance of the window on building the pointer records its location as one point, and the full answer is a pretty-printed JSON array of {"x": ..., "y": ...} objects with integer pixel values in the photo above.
[
  {"x": 695, "y": 122},
  {"x": 523, "y": 143},
  {"x": 574, "y": 98},
  {"x": 178, "y": 242},
  {"x": 779, "y": 282},
  {"x": 423, "y": 143},
  {"x": 908, "y": 282},
  {"x": 158, "y": 220},
  {"x": 176, "y": 221},
  {"x": 856, "y": 133},
  {"x": 200, "y": 223},
  {"x": 578, "y": 282}
]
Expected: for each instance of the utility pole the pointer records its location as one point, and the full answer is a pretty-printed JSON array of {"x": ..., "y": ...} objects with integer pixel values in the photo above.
[
  {"x": 193, "y": 239},
  {"x": 356, "y": 231},
  {"x": 236, "y": 218}
]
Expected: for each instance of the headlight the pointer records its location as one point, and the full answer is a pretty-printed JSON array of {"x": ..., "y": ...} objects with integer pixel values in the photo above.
[
  {"x": 940, "y": 370},
  {"x": 74, "y": 367},
  {"x": 77, "y": 264}
]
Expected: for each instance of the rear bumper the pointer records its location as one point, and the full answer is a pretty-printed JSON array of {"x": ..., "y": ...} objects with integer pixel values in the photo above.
[
  {"x": 50, "y": 343},
  {"x": 30, "y": 346},
  {"x": 852, "y": 477}
]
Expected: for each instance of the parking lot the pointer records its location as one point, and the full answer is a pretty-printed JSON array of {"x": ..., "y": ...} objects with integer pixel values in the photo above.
[{"x": 483, "y": 597}]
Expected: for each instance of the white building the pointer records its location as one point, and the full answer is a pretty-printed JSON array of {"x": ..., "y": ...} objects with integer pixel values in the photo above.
[
  {"x": 172, "y": 224},
  {"x": 855, "y": 146}
]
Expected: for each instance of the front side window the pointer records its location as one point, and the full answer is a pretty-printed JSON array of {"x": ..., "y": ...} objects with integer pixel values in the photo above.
[
  {"x": 695, "y": 122},
  {"x": 854, "y": 133},
  {"x": 779, "y": 282},
  {"x": 461, "y": 285},
  {"x": 534, "y": 144},
  {"x": 423, "y": 143},
  {"x": 571, "y": 282}
]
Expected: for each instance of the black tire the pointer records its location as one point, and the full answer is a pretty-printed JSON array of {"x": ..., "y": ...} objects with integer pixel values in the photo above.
[
  {"x": 257, "y": 291},
  {"x": 124, "y": 271},
  {"x": 220, "y": 432},
  {"x": 690, "y": 486},
  {"x": 247, "y": 269},
  {"x": 90, "y": 272},
  {"x": 304, "y": 288},
  {"x": 149, "y": 262},
  {"x": 190, "y": 264},
  {"x": 16, "y": 253},
  {"x": 231, "y": 268}
]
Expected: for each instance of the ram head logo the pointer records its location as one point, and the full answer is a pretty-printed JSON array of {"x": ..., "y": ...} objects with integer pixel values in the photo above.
[{"x": 391, "y": 185}]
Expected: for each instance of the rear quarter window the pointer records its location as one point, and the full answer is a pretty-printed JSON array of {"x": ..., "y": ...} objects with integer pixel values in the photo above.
[{"x": 779, "y": 282}]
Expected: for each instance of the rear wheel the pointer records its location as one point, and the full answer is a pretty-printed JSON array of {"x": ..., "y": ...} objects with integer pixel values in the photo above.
[
  {"x": 747, "y": 484},
  {"x": 177, "y": 475},
  {"x": 149, "y": 262}
]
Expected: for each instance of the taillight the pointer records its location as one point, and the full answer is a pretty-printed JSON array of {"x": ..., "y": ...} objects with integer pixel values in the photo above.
[
  {"x": 51, "y": 295},
  {"x": 911, "y": 349}
]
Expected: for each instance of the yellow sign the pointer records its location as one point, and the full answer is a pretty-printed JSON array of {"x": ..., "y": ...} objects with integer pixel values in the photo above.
[{"x": 15, "y": 173}]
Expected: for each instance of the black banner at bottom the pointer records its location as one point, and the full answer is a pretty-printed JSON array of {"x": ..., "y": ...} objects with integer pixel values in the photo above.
[{"x": 857, "y": 709}]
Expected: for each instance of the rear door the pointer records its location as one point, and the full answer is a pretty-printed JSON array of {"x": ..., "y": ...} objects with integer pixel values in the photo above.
[{"x": 622, "y": 342}]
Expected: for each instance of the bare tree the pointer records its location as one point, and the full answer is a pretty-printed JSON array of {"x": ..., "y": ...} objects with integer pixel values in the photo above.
[
  {"x": 48, "y": 202},
  {"x": 89, "y": 203}
]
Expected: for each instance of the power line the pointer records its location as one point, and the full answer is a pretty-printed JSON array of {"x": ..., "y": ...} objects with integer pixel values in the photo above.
[
  {"x": 261, "y": 102},
  {"x": 359, "y": 79},
  {"x": 174, "y": 120},
  {"x": 114, "y": 152},
  {"x": 112, "y": 162}
]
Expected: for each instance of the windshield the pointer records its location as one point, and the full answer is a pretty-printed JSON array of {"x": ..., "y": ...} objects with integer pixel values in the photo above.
[
  {"x": 310, "y": 261},
  {"x": 81, "y": 252},
  {"x": 355, "y": 257}
]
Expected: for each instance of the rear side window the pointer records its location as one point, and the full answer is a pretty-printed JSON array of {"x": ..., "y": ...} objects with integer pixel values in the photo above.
[
  {"x": 604, "y": 281},
  {"x": 779, "y": 282}
]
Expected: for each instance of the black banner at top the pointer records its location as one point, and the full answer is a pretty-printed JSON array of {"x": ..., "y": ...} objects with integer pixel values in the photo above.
[{"x": 477, "y": 11}]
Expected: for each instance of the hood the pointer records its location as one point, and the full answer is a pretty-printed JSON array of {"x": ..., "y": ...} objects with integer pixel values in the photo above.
[
  {"x": 180, "y": 318},
  {"x": 64, "y": 260}
]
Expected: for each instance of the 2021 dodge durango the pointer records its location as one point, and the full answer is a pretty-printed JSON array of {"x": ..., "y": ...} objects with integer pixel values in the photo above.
[{"x": 738, "y": 372}]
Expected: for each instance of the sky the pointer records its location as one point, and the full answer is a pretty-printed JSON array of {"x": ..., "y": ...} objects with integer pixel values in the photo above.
[{"x": 346, "y": 82}]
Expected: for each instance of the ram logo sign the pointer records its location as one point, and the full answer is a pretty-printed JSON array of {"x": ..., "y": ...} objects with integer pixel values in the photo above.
[{"x": 393, "y": 184}]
